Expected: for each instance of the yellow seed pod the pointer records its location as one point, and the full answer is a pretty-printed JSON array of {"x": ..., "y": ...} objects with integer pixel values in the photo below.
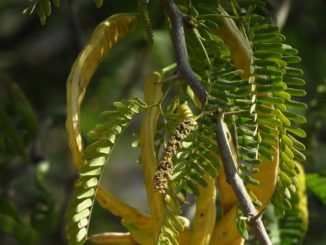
[
  {"x": 108, "y": 33},
  {"x": 104, "y": 37},
  {"x": 152, "y": 96}
]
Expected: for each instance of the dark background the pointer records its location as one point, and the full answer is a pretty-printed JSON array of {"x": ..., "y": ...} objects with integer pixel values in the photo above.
[{"x": 38, "y": 58}]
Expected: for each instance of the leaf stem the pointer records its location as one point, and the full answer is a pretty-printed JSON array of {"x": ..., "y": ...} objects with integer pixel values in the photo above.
[
  {"x": 238, "y": 187},
  {"x": 168, "y": 68}
]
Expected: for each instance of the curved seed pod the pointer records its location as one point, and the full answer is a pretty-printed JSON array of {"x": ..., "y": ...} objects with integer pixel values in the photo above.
[
  {"x": 108, "y": 33},
  {"x": 237, "y": 44},
  {"x": 204, "y": 220},
  {"x": 148, "y": 158},
  {"x": 104, "y": 37}
]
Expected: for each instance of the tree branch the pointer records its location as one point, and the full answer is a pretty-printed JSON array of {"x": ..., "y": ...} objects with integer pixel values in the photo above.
[
  {"x": 238, "y": 187},
  {"x": 177, "y": 19},
  {"x": 177, "y": 27}
]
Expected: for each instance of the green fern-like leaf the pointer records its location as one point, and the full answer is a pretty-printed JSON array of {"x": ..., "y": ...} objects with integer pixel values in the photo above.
[
  {"x": 290, "y": 120},
  {"x": 11, "y": 223},
  {"x": 228, "y": 91},
  {"x": 172, "y": 225},
  {"x": 18, "y": 122},
  {"x": 276, "y": 84},
  {"x": 42, "y": 7},
  {"x": 317, "y": 184},
  {"x": 266, "y": 115},
  {"x": 291, "y": 228},
  {"x": 197, "y": 156},
  {"x": 97, "y": 154}
]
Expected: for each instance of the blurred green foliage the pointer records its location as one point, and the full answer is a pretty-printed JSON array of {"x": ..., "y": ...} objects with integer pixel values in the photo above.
[{"x": 35, "y": 172}]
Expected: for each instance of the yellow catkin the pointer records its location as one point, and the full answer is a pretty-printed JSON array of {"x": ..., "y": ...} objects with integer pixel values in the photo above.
[{"x": 165, "y": 168}]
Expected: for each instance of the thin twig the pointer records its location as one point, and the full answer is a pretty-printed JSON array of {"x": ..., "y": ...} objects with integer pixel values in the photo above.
[
  {"x": 177, "y": 19},
  {"x": 170, "y": 78},
  {"x": 238, "y": 187}
]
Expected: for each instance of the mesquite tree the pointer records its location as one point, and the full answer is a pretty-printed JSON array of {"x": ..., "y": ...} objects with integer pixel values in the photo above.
[{"x": 220, "y": 129}]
